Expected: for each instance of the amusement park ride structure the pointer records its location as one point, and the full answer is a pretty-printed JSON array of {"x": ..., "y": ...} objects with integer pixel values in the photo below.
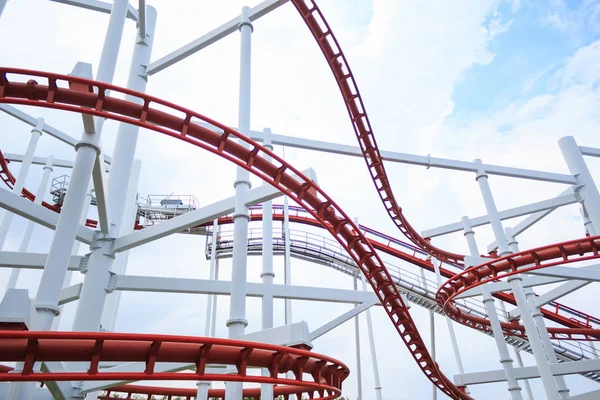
[{"x": 93, "y": 362}]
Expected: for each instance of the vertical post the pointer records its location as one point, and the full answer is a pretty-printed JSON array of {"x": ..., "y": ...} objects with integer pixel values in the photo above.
[
  {"x": 584, "y": 183},
  {"x": 203, "y": 386},
  {"x": 213, "y": 314},
  {"x": 518, "y": 292},
  {"x": 36, "y": 133},
  {"x": 587, "y": 223},
  {"x": 287, "y": 265},
  {"x": 534, "y": 340},
  {"x": 87, "y": 150},
  {"x": 372, "y": 347},
  {"x": 90, "y": 308},
  {"x": 438, "y": 275},
  {"x": 357, "y": 341},
  {"x": 432, "y": 339},
  {"x": 492, "y": 211},
  {"x": 39, "y": 196},
  {"x": 267, "y": 274},
  {"x": 237, "y": 312},
  {"x": 561, "y": 385},
  {"x": 111, "y": 306},
  {"x": 470, "y": 236}
]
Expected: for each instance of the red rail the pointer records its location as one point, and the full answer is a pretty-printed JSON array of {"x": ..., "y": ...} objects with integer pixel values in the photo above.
[
  {"x": 340, "y": 67},
  {"x": 278, "y": 172},
  {"x": 30, "y": 347},
  {"x": 523, "y": 262}
]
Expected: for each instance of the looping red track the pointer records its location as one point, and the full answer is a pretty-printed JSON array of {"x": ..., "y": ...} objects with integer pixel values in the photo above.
[
  {"x": 188, "y": 393},
  {"x": 277, "y": 172},
  {"x": 31, "y": 347},
  {"x": 543, "y": 257},
  {"x": 340, "y": 67}
]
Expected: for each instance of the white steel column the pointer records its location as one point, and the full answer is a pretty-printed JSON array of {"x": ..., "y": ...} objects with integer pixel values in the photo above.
[
  {"x": 492, "y": 211},
  {"x": 36, "y": 133},
  {"x": 470, "y": 236},
  {"x": 87, "y": 150},
  {"x": 237, "y": 312},
  {"x": 267, "y": 274},
  {"x": 203, "y": 386},
  {"x": 372, "y": 347},
  {"x": 39, "y": 196},
  {"x": 505, "y": 360},
  {"x": 587, "y": 222},
  {"x": 534, "y": 339},
  {"x": 432, "y": 340},
  {"x": 213, "y": 314},
  {"x": 585, "y": 185},
  {"x": 90, "y": 308},
  {"x": 561, "y": 385},
  {"x": 357, "y": 341},
  {"x": 287, "y": 263}
]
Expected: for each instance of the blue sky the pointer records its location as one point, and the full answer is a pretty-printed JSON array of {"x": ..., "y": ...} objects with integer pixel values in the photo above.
[{"x": 536, "y": 38}]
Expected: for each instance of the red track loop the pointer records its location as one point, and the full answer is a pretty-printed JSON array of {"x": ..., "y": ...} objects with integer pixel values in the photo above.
[
  {"x": 525, "y": 261},
  {"x": 31, "y": 347},
  {"x": 146, "y": 392},
  {"x": 276, "y": 172},
  {"x": 362, "y": 127}
]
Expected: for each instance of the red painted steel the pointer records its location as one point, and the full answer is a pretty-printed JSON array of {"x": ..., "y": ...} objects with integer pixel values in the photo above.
[
  {"x": 30, "y": 347},
  {"x": 543, "y": 257},
  {"x": 340, "y": 67},
  {"x": 276, "y": 172},
  {"x": 189, "y": 393}
]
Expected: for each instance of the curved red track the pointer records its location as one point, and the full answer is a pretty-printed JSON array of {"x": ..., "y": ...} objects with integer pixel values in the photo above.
[
  {"x": 277, "y": 172},
  {"x": 512, "y": 264},
  {"x": 31, "y": 347},
  {"x": 340, "y": 67}
]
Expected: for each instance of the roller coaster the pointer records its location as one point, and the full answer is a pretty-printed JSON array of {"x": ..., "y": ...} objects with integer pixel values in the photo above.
[{"x": 93, "y": 363}]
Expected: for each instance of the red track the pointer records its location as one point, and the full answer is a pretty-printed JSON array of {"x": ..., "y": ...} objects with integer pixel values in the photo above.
[
  {"x": 530, "y": 260},
  {"x": 277, "y": 172},
  {"x": 340, "y": 67},
  {"x": 31, "y": 347}
]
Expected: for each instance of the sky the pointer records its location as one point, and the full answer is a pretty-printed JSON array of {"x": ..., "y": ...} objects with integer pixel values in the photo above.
[{"x": 497, "y": 80}]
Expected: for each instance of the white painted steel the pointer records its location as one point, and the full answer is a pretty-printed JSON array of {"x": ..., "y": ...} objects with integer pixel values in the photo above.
[
  {"x": 505, "y": 359},
  {"x": 287, "y": 263},
  {"x": 589, "y": 151},
  {"x": 21, "y": 177},
  {"x": 372, "y": 348},
  {"x": 101, "y": 6},
  {"x": 585, "y": 185},
  {"x": 39, "y": 195},
  {"x": 357, "y": 344},
  {"x": 213, "y": 36}
]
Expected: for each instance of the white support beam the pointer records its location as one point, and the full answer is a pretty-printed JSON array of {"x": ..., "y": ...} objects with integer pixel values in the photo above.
[
  {"x": 552, "y": 295},
  {"x": 593, "y": 395},
  {"x": 101, "y": 6},
  {"x": 341, "y": 319},
  {"x": 567, "y": 368},
  {"x": 70, "y": 293},
  {"x": 142, "y": 18},
  {"x": 213, "y": 36},
  {"x": 591, "y": 273},
  {"x": 206, "y": 286},
  {"x": 495, "y": 287},
  {"x": 39, "y": 160},
  {"x": 100, "y": 187},
  {"x": 198, "y": 217},
  {"x": 32, "y": 121},
  {"x": 528, "y": 222},
  {"x": 62, "y": 390},
  {"x": 15, "y": 259},
  {"x": 38, "y": 214},
  {"x": 424, "y": 161},
  {"x": 590, "y": 151},
  {"x": 550, "y": 204}
]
